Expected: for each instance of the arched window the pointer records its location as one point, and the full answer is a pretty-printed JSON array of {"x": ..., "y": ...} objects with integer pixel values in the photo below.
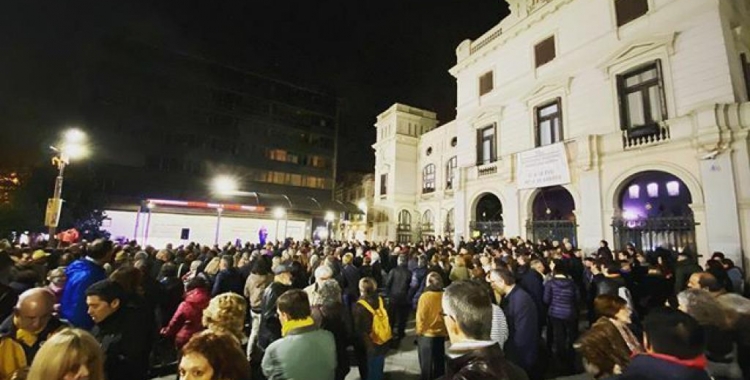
[
  {"x": 428, "y": 179},
  {"x": 450, "y": 172},
  {"x": 428, "y": 221},
  {"x": 404, "y": 220}
]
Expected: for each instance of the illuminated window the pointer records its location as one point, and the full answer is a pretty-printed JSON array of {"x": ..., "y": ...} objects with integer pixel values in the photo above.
[
  {"x": 634, "y": 191},
  {"x": 673, "y": 188},
  {"x": 653, "y": 190}
]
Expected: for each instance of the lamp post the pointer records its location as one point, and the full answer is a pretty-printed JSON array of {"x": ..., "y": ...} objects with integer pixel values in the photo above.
[{"x": 71, "y": 147}]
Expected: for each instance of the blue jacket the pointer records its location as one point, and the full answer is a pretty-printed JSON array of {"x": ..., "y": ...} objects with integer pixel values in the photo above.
[
  {"x": 81, "y": 274},
  {"x": 646, "y": 367},
  {"x": 561, "y": 296},
  {"x": 523, "y": 341}
]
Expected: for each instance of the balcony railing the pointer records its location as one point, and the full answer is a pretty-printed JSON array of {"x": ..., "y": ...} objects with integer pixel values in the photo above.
[
  {"x": 645, "y": 135},
  {"x": 486, "y": 170},
  {"x": 475, "y": 46}
]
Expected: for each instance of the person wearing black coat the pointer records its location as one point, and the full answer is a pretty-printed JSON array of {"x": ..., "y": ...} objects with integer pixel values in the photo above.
[
  {"x": 397, "y": 288},
  {"x": 561, "y": 297},
  {"x": 174, "y": 290},
  {"x": 270, "y": 325},
  {"x": 533, "y": 283},
  {"x": 228, "y": 279},
  {"x": 349, "y": 281}
]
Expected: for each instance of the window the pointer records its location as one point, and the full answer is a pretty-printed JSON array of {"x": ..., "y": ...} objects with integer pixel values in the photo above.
[
  {"x": 450, "y": 172},
  {"x": 629, "y": 10},
  {"x": 653, "y": 190},
  {"x": 383, "y": 184},
  {"x": 549, "y": 123},
  {"x": 485, "y": 83},
  {"x": 486, "y": 145},
  {"x": 428, "y": 222},
  {"x": 634, "y": 191},
  {"x": 404, "y": 220},
  {"x": 454, "y": 141},
  {"x": 641, "y": 96},
  {"x": 544, "y": 51},
  {"x": 428, "y": 179},
  {"x": 673, "y": 188},
  {"x": 429, "y": 151},
  {"x": 746, "y": 73}
]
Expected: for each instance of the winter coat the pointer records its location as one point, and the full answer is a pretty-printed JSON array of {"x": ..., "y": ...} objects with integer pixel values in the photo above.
[
  {"x": 350, "y": 282},
  {"x": 521, "y": 314},
  {"x": 486, "y": 363},
  {"x": 397, "y": 285},
  {"x": 228, "y": 280},
  {"x": 417, "y": 284},
  {"x": 533, "y": 283},
  {"x": 270, "y": 326},
  {"x": 188, "y": 319},
  {"x": 126, "y": 345},
  {"x": 290, "y": 357},
  {"x": 254, "y": 287},
  {"x": 561, "y": 297},
  {"x": 81, "y": 274},
  {"x": 14, "y": 353},
  {"x": 648, "y": 367},
  {"x": 331, "y": 318},
  {"x": 682, "y": 272},
  {"x": 363, "y": 320},
  {"x": 174, "y": 291}
]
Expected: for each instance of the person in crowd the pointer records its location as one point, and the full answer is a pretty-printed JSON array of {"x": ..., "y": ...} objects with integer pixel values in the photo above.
[
  {"x": 613, "y": 283},
  {"x": 212, "y": 355},
  {"x": 225, "y": 313},
  {"x": 120, "y": 332},
  {"x": 615, "y": 310},
  {"x": 683, "y": 269},
  {"x": 81, "y": 274},
  {"x": 430, "y": 329},
  {"x": 520, "y": 310},
  {"x": 270, "y": 325},
  {"x": 289, "y": 357},
  {"x": 328, "y": 313},
  {"x": 349, "y": 281},
  {"x": 397, "y": 289},
  {"x": 533, "y": 283},
  {"x": 561, "y": 298},
  {"x": 23, "y": 332},
  {"x": 70, "y": 354},
  {"x": 194, "y": 271},
  {"x": 499, "y": 332},
  {"x": 467, "y": 314},
  {"x": 459, "y": 271},
  {"x": 603, "y": 351},
  {"x": 674, "y": 343},
  {"x": 323, "y": 274},
  {"x": 174, "y": 290},
  {"x": 57, "y": 280},
  {"x": 228, "y": 279},
  {"x": 8, "y": 296},
  {"x": 716, "y": 268},
  {"x": 717, "y": 322},
  {"x": 735, "y": 274},
  {"x": 417, "y": 284},
  {"x": 652, "y": 290},
  {"x": 370, "y": 345},
  {"x": 187, "y": 319},
  {"x": 260, "y": 277}
]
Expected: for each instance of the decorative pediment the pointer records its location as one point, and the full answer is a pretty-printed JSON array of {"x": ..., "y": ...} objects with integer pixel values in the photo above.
[
  {"x": 486, "y": 114},
  {"x": 638, "y": 48},
  {"x": 548, "y": 88}
]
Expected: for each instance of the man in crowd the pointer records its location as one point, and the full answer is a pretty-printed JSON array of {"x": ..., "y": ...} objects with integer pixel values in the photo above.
[
  {"x": 22, "y": 334},
  {"x": 120, "y": 332},
  {"x": 468, "y": 318},
  {"x": 305, "y": 351},
  {"x": 674, "y": 344},
  {"x": 522, "y": 317},
  {"x": 81, "y": 274},
  {"x": 8, "y": 296},
  {"x": 228, "y": 279},
  {"x": 397, "y": 288},
  {"x": 270, "y": 325},
  {"x": 323, "y": 273}
]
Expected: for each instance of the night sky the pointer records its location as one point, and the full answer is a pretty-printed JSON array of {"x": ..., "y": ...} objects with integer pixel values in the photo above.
[{"x": 370, "y": 53}]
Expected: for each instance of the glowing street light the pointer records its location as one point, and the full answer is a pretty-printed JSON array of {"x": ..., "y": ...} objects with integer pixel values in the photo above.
[
  {"x": 72, "y": 146},
  {"x": 225, "y": 184}
]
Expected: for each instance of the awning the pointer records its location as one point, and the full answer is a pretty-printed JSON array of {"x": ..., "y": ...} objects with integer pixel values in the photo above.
[{"x": 253, "y": 201}]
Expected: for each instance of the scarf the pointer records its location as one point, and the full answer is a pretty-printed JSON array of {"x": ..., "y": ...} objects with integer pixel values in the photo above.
[
  {"x": 698, "y": 362},
  {"x": 28, "y": 338},
  {"x": 290, "y": 325},
  {"x": 633, "y": 344}
]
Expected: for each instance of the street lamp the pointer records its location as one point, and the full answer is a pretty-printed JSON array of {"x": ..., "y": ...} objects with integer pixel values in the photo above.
[
  {"x": 225, "y": 185},
  {"x": 71, "y": 147}
]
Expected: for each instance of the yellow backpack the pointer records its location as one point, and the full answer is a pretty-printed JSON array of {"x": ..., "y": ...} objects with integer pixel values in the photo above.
[{"x": 381, "y": 326}]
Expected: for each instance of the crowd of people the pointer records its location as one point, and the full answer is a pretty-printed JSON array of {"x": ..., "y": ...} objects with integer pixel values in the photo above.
[{"x": 490, "y": 308}]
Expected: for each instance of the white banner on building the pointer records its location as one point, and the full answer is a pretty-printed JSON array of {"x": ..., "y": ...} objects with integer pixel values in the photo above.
[{"x": 543, "y": 166}]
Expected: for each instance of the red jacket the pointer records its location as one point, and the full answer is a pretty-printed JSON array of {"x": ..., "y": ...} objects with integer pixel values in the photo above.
[{"x": 187, "y": 320}]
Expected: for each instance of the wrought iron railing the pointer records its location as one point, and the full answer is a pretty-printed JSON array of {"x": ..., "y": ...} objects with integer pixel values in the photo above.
[
  {"x": 489, "y": 227},
  {"x": 552, "y": 230},
  {"x": 645, "y": 135},
  {"x": 647, "y": 234},
  {"x": 486, "y": 170}
]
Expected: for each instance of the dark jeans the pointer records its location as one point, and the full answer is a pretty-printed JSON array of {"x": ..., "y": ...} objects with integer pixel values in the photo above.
[
  {"x": 564, "y": 334},
  {"x": 431, "y": 357},
  {"x": 398, "y": 314}
]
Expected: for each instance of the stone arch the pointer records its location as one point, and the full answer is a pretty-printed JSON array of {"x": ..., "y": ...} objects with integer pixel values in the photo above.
[
  {"x": 617, "y": 186},
  {"x": 478, "y": 197}
]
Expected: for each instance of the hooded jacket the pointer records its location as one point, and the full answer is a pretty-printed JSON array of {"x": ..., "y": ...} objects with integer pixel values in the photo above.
[
  {"x": 81, "y": 274},
  {"x": 187, "y": 320}
]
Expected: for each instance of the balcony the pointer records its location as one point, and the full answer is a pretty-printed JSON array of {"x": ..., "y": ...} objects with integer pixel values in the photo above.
[
  {"x": 486, "y": 170},
  {"x": 645, "y": 135}
]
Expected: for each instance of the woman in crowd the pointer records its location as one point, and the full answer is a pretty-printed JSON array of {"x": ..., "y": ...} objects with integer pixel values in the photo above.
[
  {"x": 431, "y": 330},
  {"x": 717, "y": 322},
  {"x": 561, "y": 298},
  {"x": 260, "y": 277},
  {"x": 213, "y": 356},
  {"x": 328, "y": 314},
  {"x": 174, "y": 290},
  {"x": 603, "y": 351},
  {"x": 370, "y": 354},
  {"x": 70, "y": 354},
  {"x": 186, "y": 321},
  {"x": 459, "y": 271},
  {"x": 226, "y": 314},
  {"x": 615, "y": 310}
]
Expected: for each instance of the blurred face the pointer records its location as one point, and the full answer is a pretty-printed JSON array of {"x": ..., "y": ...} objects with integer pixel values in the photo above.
[
  {"x": 694, "y": 282},
  {"x": 624, "y": 315},
  {"x": 194, "y": 366},
  {"x": 59, "y": 280},
  {"x": 100, "y": 309},
  {"x": 81, "y": 373},
  {"x": 33, "y": 316}
]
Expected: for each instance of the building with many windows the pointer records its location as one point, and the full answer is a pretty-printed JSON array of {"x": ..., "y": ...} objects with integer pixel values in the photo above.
[{"x": 625, "y": 120}]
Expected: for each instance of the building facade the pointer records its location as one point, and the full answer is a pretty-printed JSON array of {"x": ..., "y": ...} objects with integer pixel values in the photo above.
[
  {"x": 356, "y": 189},
  {"x": 624, "y": 120}
]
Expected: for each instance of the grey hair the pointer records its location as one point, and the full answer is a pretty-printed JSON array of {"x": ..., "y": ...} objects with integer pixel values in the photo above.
[
  {"x": 323, "y": 272},
  {"x": 329, "y": 293},
  {"x": 402, "y": 259},
  {"x": 469, "y": 304}
]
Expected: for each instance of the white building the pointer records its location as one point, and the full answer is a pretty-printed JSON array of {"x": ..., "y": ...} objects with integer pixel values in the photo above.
[{"x": 625, "y": 120}]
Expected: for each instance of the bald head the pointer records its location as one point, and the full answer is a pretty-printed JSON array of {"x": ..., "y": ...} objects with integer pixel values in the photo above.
[
  {"x": 34, "y": 309},
  {"x": 703, "y": 280}
]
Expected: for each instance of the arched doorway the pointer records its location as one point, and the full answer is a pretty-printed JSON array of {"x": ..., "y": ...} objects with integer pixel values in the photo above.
[
  {"x": 488, "y": 217},
  {"x": 403, "y": 229},
  {"x": 654, "y": 211},
  {"x": 427, "y": 226},
  {"x": 552, "y": 216}
]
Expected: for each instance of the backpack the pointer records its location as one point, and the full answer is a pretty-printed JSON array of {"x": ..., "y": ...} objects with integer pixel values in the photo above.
[{"x": 381, "y": 326}]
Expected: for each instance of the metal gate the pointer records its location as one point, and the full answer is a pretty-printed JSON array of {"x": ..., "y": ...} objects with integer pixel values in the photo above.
[
  {"x": 488, "y": 228},
  {"x": 651, "y": 233},
  {"x": 552, "y": 230},
  {"x": 403, "y": 233}
]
